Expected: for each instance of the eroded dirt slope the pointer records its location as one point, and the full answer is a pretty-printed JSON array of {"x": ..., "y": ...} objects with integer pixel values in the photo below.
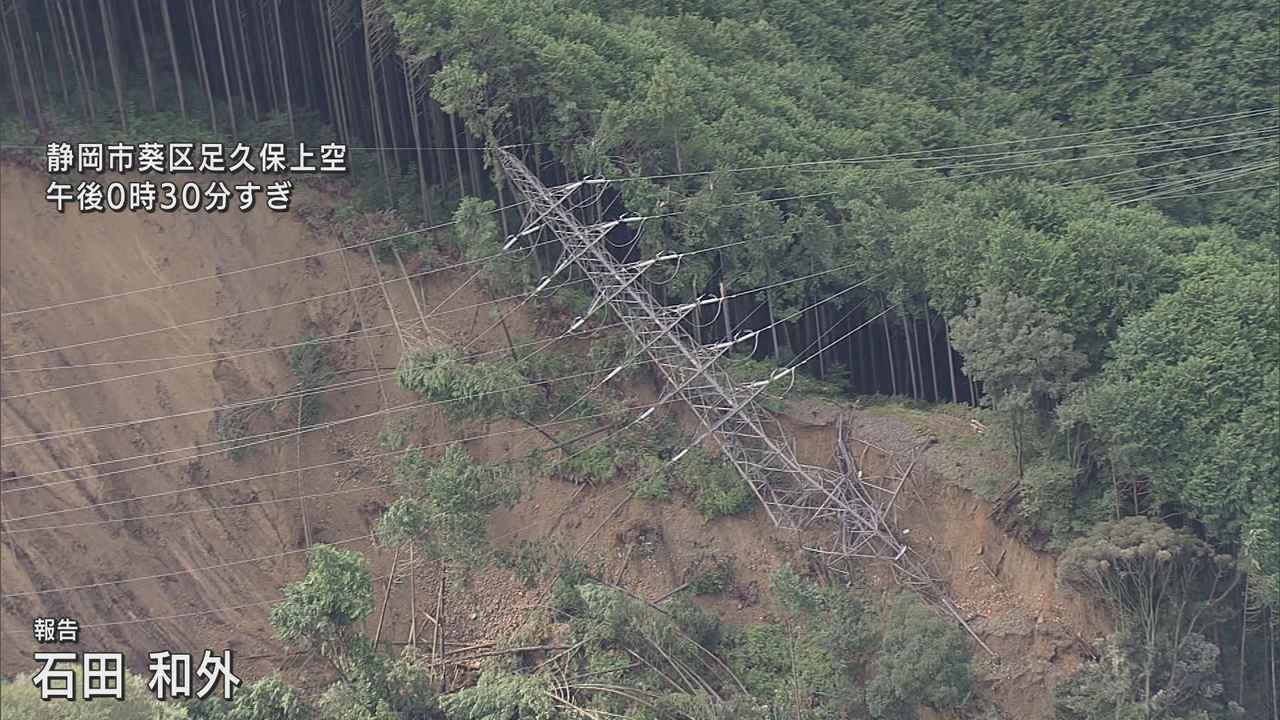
[
  {"x": 156, "y": 437},
  {"x": 57, "y": 474}
]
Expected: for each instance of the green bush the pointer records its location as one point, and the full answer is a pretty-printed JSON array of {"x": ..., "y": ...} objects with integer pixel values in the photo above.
[
  {"x": 446, "y": 505},
  {"x": 717, "y": 488},
  {"x": 565, "y": 598},
  {"x": 269, "y": 699},
  {"x": 809, "y": 655},
  {"x": 701, "y": 626},
  {"x": 716, "y": 579},
  {"x": 468, "y": 391},
  {"x": 478, "y": 236},
  {"x": 651, "y": 481},
  {"x": 636, "y": 454},
  {"x": 395, "y": 433},
  {"x": 327, "y": 606},
  {"x": 563, "y": 378},
  {"x": 1048, "y": 499},
  {"x": 528, "y": 560},
  {"x": 503, "y": 696},
  {"x": 309, "y": 363},
  {"x": 233, "y": 425}
]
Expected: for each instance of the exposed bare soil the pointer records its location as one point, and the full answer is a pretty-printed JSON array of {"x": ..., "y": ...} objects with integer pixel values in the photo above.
[{"x": 1006, "y": 590}]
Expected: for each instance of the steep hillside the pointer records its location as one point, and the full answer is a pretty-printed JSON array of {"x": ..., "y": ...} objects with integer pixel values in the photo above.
[
  {"x": 1006, "y": 590},
  {"x": 50, "y": 259}
]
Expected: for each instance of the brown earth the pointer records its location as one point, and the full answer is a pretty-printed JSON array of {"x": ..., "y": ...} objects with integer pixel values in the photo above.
[{"x": 1005, "y": 589}]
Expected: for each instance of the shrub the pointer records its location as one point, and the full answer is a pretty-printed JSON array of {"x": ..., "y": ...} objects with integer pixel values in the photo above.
[
  {"x": 716, "y": 487},
  {"x": 468, "y": 391},
  {"x": 1048, "y": 498},
  {"x": 714, "y": 580},
  {"x": 652, "y": 482},
  {"x": 395, "y": 434},
  {"x": 309, "y": 363},
  {"x": 327, "y": 605},
  {"x": 20, "y": 700},
  {"x": 527, "y": 561},
  {"x": 233, "y": 425},
  {"x": 446, "y": 506},
  {"x": 477, "y": 234}
]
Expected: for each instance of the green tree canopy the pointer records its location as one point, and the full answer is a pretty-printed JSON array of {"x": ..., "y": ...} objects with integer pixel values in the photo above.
[
  {"x": 326, "y": 607},
  {"x": 1190, "y": 400},
  {"x": 446, "y": 505},
  {"x": 482, "y": 390},
  {"x": 1012, "y": 346},
  {"x": 924, "y": 660}
]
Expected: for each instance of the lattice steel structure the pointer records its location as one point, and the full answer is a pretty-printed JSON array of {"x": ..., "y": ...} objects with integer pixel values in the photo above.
[{"x": 794, "y": 494}]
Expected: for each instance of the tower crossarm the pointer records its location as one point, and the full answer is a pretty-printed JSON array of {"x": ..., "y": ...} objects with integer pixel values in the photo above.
[{"x": 790, "y": 491}]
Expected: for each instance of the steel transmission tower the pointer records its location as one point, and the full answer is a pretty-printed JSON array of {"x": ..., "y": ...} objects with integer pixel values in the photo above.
[{"x": 796, "y": 496}]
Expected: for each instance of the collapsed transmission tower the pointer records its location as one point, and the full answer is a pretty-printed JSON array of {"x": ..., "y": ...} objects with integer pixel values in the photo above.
[{"x": 796, "y": 496}]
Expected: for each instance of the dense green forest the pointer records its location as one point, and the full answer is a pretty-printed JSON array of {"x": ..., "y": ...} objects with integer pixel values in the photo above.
[{"x": 1069, "y": 210}]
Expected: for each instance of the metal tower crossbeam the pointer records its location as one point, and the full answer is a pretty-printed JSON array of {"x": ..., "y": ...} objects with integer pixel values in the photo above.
[{"x": 793, "y": 494}]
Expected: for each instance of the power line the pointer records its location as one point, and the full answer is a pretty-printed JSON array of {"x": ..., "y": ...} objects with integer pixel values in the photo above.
[
  {"x": 553, "y": 422},
  {"x": 212, "y": 356},
  {"x": 1142, "y": 188},
  {"x": 1148, "y": 168},
  {"x": 278, "y": 473},
  {"x": 1219, "y": 192},
  {"x": 273, "y": 436},
  {"x": 239, "y": 271},
  {"x": 488, "y": 258},
  {"x": 190, "y": 614},
  {"x": 185, "y": 571},
  {"x": 1006, "y": 168},
  {"x": 977, "y": 159},
  {"x": 240, "y": 313},
  {"x": 257, "y": 401},
  {"x": 203, "y": 510},
  {"x": 914, "y": 154},
  {"x": 800, "y": 358},
  {"x": 223, "y": 356},
  {"x": 30, "y": 438},
  {"x": 321, "y": 296},
  {"x": 234, "y": 356},
  {"x": 590, "y": 390},
  {"x": 1088, "y": 158},
  {"x": 290, "y": 433},
  {"x": 175, "y": 573},
  {"x": 1215, "y": 119},
  {"x": 1222, "y": 176},
  {"x": 1011, "y": 167}
]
